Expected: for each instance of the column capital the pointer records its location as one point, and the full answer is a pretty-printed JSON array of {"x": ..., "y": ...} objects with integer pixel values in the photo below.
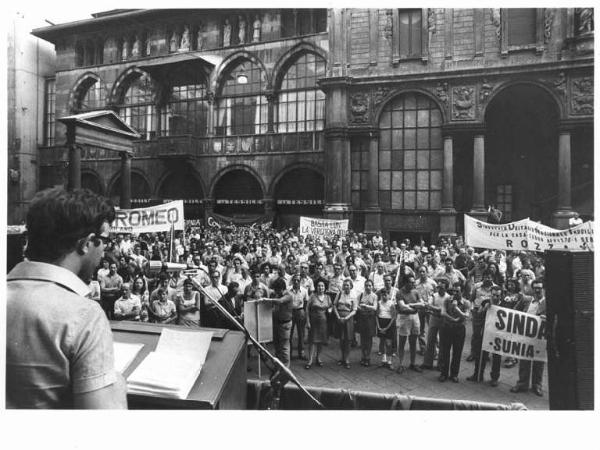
[
  {"x": 369, "y": 132},
  {"x": 450, "y": 129},
  {"x": 570, "y": 125},
  {"x": 336, "y": 132}
]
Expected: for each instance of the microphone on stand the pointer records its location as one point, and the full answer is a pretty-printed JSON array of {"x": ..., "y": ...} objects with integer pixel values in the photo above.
[{"x": 281, "y": 374}]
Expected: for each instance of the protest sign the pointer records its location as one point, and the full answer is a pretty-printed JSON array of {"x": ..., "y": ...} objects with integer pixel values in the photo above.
[
  {"x": 514, "y": 333},
  {"x": 508, "y": 236},
  {"x": 542, "y": 237},
  {"x": 322, "y": 228},
  {"x": 526, "y": 234},
  {"x": 151, "y": 219}
]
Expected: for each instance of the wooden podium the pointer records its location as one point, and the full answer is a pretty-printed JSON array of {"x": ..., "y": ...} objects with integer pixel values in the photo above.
[{"x": 222, "y": 381}]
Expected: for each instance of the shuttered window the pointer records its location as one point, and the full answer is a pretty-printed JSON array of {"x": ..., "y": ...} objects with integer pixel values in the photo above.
[
  {"x": 521, "y": 26},
  {"x": 410, "y": 33}
]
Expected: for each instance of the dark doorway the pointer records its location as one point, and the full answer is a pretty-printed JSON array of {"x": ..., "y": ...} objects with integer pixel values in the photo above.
[
  {"x": 183, "y": 185},
  {"x": 238, "y": 194},
  {"x": 299, "y": 192},
  {"x": 521, "y": 153},
  {"x": 140, "y": 191}
]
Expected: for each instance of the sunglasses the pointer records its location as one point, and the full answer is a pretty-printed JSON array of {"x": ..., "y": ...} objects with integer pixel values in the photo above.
[{"x": 105, "y": 239}]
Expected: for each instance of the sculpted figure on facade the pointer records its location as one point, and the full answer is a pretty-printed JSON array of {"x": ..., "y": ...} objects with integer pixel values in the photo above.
[
  {"x": 242, "y": 29},
  {"x": 226, "y": 33},
  {"x": 495, "y": 16},
  {"x": 585, "y": 21},
  {"x": 135, "y": 50},
  {"x": 148, "y": 47},
  {"x": 256, "y": 29},
  {"x": 125, "y": 50},
  {"x": 173, "y": 42},
  {"x": 200, "y": 41},
  {"x": 359, "y": 107},
  {"x": 185, "y": 39}
]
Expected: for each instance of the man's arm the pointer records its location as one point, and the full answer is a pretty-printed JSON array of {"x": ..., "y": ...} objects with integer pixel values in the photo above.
[{"x": 113, "y": 396}]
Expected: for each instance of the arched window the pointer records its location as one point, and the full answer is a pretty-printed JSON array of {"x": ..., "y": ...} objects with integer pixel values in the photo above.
[
  {"x": 90, "y": 95},
  {"x": 137, "y": 106},
  {"x": 186, "y": 111},
  {"x": 410, "y": 154},
  {"x": 301, "y": 105},
  {"x": 242, "y": 108}
]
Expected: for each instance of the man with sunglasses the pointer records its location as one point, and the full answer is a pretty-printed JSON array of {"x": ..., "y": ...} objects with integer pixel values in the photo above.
[{"x": 59, "y": 350}]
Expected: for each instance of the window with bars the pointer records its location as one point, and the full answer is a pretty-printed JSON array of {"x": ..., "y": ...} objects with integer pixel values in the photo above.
[
  {"x": 186, "y": 112},
  {"x": 410, "y": 154},
  {"x": 138, "y": 109},
  {"x": 242, "y": 108},
  {"x": 91, "y": 95},
  {"x": 504, "y": 201},
  {"x": 410, "y": 33},
  {"x": 521, "y": 26},
  {"x": 301, "y": 105},
  {"x": 50, "y": 112}
]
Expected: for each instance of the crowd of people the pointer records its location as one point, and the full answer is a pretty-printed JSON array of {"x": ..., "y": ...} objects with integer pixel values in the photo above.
[{"x": 353, "y": 288}]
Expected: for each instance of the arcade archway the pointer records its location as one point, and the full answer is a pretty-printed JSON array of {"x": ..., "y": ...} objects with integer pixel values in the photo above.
[
  {"x": 92, "y": 182},
  {"x": 238, "y": 193},
  {"x": 186, "y": 187},
  {"x": 140, "y": 191},
  {"x": 298, "y": 192},
  {"x": 521, "y": 157}
]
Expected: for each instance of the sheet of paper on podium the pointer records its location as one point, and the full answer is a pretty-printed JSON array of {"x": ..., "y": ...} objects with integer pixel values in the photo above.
[
  {"x": 258, "y": 320},
  {"x": 124, "y": 354},
  {"x": 172, "y": 369}
]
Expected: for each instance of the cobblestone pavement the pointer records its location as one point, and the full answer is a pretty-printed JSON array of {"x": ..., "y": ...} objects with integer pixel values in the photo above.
[{"x": 425, "y": 384}]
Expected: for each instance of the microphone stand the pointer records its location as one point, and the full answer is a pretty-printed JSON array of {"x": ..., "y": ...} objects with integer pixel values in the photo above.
[{"x": 280, "y": 373}]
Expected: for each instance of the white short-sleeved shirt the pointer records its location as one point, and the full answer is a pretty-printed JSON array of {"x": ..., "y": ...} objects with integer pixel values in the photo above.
[{"x": 59, "y": 342}]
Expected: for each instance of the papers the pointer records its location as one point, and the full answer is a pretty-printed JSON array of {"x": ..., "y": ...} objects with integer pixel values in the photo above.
[
  {"x": 172, "y": 369},
  {"x": 125, "y": 354}
]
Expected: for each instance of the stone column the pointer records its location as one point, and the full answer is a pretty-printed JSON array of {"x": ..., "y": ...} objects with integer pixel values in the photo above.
[
  {"x": 337, "y": 163},
  {"x": 479, "y": 210},
  {"x": 210, "y": 118},
  {"x": 448, "y": 213},
  {"x": 564, "y": 210},
  {"x": 74, "y": 181},
  {"x": 125, "y": 200},
  {"x": 272, "y": 104},
  {"x": 373, "y": 213},
  {"x": 269, "y": 205}
]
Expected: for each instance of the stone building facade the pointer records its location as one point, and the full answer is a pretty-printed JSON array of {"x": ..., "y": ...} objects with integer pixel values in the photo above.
[{"x": 398, "y": 119}]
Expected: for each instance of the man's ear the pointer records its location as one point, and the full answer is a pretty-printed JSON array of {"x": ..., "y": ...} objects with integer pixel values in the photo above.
[{"x": 83, "y": 243}]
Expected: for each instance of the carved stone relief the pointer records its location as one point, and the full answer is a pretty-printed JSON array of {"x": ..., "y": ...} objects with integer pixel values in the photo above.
[
  {"x": 582, "y": 95},
  {"x": 557, "y": 83},
  {"x": 463, "y": 103},
  {"x": 379, "y": 95},
  {"x": 442, "y": 92},
  {"x": 485, "y": 91},
  {"x": 495, "y": 17},
  {"x": 548, "y": 20},
  {"x": 359, "y": 108}
]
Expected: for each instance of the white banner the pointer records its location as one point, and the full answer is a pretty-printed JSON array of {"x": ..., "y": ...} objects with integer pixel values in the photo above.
[
  {"x": 152, "y": 219},
  {"x": 526, "y": 234},
  {"x": 514, "y": 333},
  {"x": 322, "y": 228}
]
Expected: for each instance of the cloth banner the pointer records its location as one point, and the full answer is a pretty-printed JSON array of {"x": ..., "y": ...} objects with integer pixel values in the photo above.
[
  {"x": 322, "y": 228},
  {"x": 526, "y": 234},
  {"x": 218, "y": 221},
  {"x": 514, "y": 333},
  {"x": 151, "y": 219}
]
